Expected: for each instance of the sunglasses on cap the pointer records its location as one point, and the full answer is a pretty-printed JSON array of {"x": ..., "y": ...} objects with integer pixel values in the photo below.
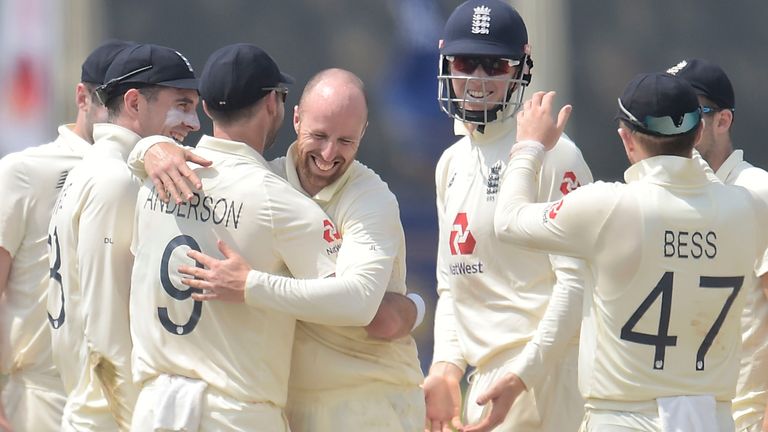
[
  {"x": 493, "y": 66},
  {"x": 710, "y": 110},
  {"x": 664, "y": 125},
  {"x": 102, "y": 91},
  {"x": 282, "y": 91}
]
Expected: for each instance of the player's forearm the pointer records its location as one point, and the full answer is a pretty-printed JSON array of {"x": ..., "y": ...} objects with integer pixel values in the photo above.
[
  {"x": 552, "y": 227},
  {"x": 560, "y": 324},
  {"x": 351, "y": 300},
  {"x": 518, "y": 187},
  {"x": 396, "y": 317},
  {"x": 136, "y": 157},
  {"x": 447, "y": 348}
]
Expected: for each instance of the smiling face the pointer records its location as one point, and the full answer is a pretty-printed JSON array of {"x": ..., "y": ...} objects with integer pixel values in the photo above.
[
  {"x": 171, "y": 112},
  {"x": 329, "y": 123},
  {"x": 476, "y": 90}
]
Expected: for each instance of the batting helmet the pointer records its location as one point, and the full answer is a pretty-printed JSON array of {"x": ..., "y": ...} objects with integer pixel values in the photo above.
[{"x": 491, "y": 34}]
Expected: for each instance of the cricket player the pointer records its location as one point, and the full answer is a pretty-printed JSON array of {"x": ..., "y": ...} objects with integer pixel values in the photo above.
[
  {"x": 226, "y": 365},
  {"x": 30, "y": 181},
  {"x": 673, "y": 251},
  {"x": 718, "y": 103},
  {"x": 368, "y": 383},
  {"x": 493, "y": 295},
  {"x": 149, "y": 89}
]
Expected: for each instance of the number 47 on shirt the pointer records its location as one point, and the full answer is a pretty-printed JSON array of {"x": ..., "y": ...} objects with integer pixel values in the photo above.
[{"x": 661, "y": 340}]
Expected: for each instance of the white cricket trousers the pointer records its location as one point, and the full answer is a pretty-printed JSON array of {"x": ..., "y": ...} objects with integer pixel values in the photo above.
[
  {"x": 638, "y": 417},
  {"x": 371, "y": 408}
]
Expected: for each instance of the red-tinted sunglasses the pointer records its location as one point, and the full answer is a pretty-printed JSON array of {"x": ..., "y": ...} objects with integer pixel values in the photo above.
[{"x": 492, "y": 66}]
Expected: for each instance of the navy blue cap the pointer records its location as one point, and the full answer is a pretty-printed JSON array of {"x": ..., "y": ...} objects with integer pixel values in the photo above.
[
  {"x": 238, "y": 75},
  {"x": 708, "y": 79},
  {"x": 485, "y": 28},
  {"x": 96, "y": 64},
  {"x": 659, "y": 104},
  {"x": 150, "y": 64}
]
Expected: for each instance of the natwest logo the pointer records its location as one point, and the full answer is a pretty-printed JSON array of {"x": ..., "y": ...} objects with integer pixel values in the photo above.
[
  {"x": 329, "y": 232},
  {"x": 461, "y": 241},
  {"x": 569, "y": 183}
]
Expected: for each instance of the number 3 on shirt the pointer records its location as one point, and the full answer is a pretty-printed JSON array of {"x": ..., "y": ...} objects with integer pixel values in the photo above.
[
  {"x": 165, "y": 280},
  {"x": 662, "y": 339},
  {"x": 53, "y": 242}
]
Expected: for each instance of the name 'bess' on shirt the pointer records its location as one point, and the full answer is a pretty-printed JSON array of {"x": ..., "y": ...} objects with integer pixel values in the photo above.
[{"x": 685, "y": 244}]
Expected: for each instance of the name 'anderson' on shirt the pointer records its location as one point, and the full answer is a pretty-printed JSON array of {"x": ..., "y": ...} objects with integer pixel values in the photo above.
[{"x": 203, "y": 208}]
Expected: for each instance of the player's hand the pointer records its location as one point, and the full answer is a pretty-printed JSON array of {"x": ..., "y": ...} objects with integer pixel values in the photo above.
[
  {"x": 220, "y": 279},
  {"x": 166, "y": 165},
  {"x": 394, "y": 319},
  {"x": 501, "y": 396},
  {"x": 535, "y": 122},
  {"x": 443, "y": 398}
]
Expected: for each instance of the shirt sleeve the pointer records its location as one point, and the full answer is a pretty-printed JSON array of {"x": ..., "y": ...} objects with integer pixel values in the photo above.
[
  {"x": 563, "y": 170},
  {"x": 105, "y": 262},
  {"x": 447, "y": 348},
  {"x": 565, "y": 227},
  {"x": 561, "y": 173},
  {"x": 14, "y": 188},
  {"x": 560, "y": 324},
  {"x": 364, "y": 265}
]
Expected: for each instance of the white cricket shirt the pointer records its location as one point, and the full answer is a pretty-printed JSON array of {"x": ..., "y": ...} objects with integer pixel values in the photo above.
[
  {"x": 371, "y": 261},
  {"x": 752, "y": 388},
  {"x": 493, "y": 294},
  {"x": 673, "y": 253},
  {"x": 90, "y": 262},
  {"x": 30, "y": 181},
  {"x": 241, "y": 350}
]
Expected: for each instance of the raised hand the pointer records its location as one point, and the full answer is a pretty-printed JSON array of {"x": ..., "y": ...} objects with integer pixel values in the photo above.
[{"x": 535, "y": 122}]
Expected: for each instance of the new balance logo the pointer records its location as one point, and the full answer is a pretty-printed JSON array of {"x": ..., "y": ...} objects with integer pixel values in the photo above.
[
  {"x": 62, "y": 179},
  {"x": 461, "y": 240},
  {"x": 677, "y": 68},
  {"x": 481, "y": 20}
]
